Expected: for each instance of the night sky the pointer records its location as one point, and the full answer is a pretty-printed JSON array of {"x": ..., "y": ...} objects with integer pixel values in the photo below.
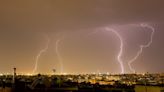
[{"x": 27, "y": 25}]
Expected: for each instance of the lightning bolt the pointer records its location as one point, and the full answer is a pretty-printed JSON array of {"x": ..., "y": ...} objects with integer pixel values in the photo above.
[
  {"x": 142, "y": 46},
  {"x": 120, "y": 53},
  {"x": 121, "y": 46},
  {"x": 58, "y": 55},
  {"x": 39, "y": 55}
]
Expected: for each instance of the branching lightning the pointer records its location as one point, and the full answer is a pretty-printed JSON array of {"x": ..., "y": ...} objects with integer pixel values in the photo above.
[
  {"x": 142, "y": 46},
  {"x": 121, "y": 46},
  {"x": 39, "y": 55},
  {"x": 119, "y": 55}
]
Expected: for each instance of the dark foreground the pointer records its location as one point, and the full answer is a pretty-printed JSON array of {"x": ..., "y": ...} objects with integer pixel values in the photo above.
[{"x": 82, "y": 83}]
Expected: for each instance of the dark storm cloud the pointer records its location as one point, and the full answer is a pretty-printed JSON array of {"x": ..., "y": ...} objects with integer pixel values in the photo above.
[{"x": 53, "y": 15}]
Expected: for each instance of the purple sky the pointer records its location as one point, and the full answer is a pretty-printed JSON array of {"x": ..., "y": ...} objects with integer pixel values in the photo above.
[{"x": 24, "y": 24}]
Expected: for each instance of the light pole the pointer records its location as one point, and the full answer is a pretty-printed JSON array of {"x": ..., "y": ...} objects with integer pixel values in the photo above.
[{"x": 14, "y": 75}]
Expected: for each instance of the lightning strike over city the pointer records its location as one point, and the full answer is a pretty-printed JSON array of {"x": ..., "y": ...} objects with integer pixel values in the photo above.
[
  {"x": 121, "y": 45},
  {"x": 57, "y": 45},
  {"x": 40, "y": 54},
  {"x": 142, "y": 46},
  {"x": 87, "y": 45}
]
